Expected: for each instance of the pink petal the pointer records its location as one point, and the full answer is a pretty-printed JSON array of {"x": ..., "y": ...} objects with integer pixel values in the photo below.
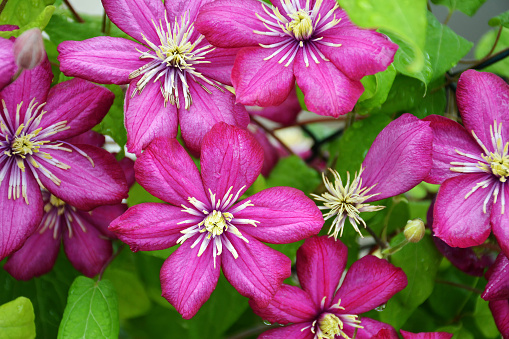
[
  {"x": 87, "y": 250},
  {"x": 127, "y": 165},
  {"x": 102, "y": 216},
  {"x": 230, "y": 23},
  {"x": 187, "y": 279},
  {"x": 458, "y": 221},
  {"x": 327, "y": 91},
  {"x": 400, "y": 157},
  {"x": 230, "y": 159},
  {"x": 483, "y": 98},
  {"x": 90, "y": 137},
  {"x": 220, "y": 66},
  {"x": 207, "y": 110},
  {"x": 36, "y": 257},
  {"x": 369, "y": 283},
  {"x": 83, "y": 185},
  {"x": 385, "y": 333},
  {"x": 449, "y": 136},
  {"x": 258, "y": 272},
  {"x": 293, "y": 331},
  {"x": 270, "y": 153},
  {"x": 18, "y": 219},
  {"x": 105, "y": 60},
  {"x": 370, "y": 330},
  {"x": 426, "y": 335},
  {"x": 261, "y": 82},
  {"x": 175, "y": 9},
  {"x": 498, "y": 282},
  {"x": 285, "y": 215},
  {"x": 166, "y": 171},
  {"x": 321, "y": 262},
  {"x": 290, "y": 305},
  {"x": 137, "y": 18},
  {"x": 285, "y": 114},
  {"x": 500, "y": 311},
  {"x": 7, "y": 64},
  {"x": 81, "y": 103},
  {"x": 150, "y": 226},
  {"x": 500, "y": 220},
  {"x": 147, "y": 117}
]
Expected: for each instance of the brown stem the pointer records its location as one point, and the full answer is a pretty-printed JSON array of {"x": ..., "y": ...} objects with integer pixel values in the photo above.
[
  {"x": 271, "y": 133},
  {"x": 379, "y": 241},
  {"x": 73, "y": 11},
  {"x": 2, "y": 6},
  {"x": 103, "y": 25},
  {"x": 113, "y": 256},
  {"x": 449, "y": 15},
  {"x": 495, "y": 43},
  {"x": 465, "y": 287},
  {"x": 312, "y": 121}
]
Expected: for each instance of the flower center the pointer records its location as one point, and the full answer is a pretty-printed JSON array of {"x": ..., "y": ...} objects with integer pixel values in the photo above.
[
  {"x": 23, "y": 145},
  {"x": 329, "y": 326},
  {"x": 301, "y": 26},
  {"x": 499, "y": 165},
  {"x": 58, "y": 215},
  {"x": 216, "y": 223}
]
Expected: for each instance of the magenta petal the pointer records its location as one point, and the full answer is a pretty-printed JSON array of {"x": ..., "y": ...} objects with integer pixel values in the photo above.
[
  {"x": 290, "y": 305},
  {"x": 81, "y": 103},
  {"x": 102, "y": 216},
  {"x": 369, "y": 283},
  {"x": 498, "y": 282},
  {"x": 220, "y": 66},
  {"x": 36, "y": 257},
  {"x": 166, "y": 171},
  {"x": 293, "y": 331},
  {"x": 261, "y": 82},
  {"x": 270, "y": 153},
  {"x": 230, "y": 159},
  {"x": 285, "y": 114},
  {"x": 400, "y": 157},
  {"x": 321, "y": 262},
  {"x": 500, "y": 220},
  {"x": 458, "y": 221},
  {"x": 500, "y": 311},
  {"x": 327, "y": 91},
  {"x": 150, "y": 226},
  {"x": 83, "y": 185},
  {"x": 483, "y": 98},
  {"x": 127, "y": 165},
  {"x": 187, "y": 279},
  {"x": 90, "y": 137},
  {"x": 385, "y": 333},
  {"x": 7, "y": 64},
  {"x": 370, "y": 330},
  {"x": 258, "y": 272},
  {"x": 136, "y": 17},
  {"x": 284, "y": 214},
  {"x": 207, "y": 110},
  {"x": 18, "y": 219},
  {"x": 426, "y": 335}
]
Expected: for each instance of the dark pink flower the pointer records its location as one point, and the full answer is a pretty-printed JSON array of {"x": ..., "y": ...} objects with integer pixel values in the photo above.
[
  {"x": 472, "y": 164},
  {"x": 500, "y": 311},
  {"x": 214, "y": 231},
  {"x": 312, "y": 42},
  {"x": 7, "y": 63},
  {"x": 322, "y": 311},
  {"x": 387, "y": 334},
  {"x": 175, "y": 76},
  {"x": 35, "y": 121},
  {"x": 398, "y": 160}
]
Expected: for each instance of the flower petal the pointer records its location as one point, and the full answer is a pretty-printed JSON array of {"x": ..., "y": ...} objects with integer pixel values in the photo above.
[
  {"x": 207, "y": 110},
  {"x": 369, "y": 283},
  {"x": 285, "y": 215},
  {"x": 385, "y": 333},
  {"x": 90, "y": 137},
  {"x": 220, "y": 66},
  {"x": 290, "y": 305},
  {"x": 293, "y": 331},
  {"x": 426, "y": 335},
  {"x": 500, "y": 220},
  {"x": 102, "y": 216},
  {"x": 137, "y": 18},
  {"x": 83, "y": 185},
  {"x": 147, "y": 117},
  {"x": 285, "y": 114},
  {"x": 321, "y": 262},
  {"x": 260, "y": 82},
  {"x": 230, "y": 158},
  {"x": 327, "y": 91},
  {"x": 166, "y": 171},
  {"x": 79, "y": 102},
  {"x": 258, "y": 272},
  {"x": 458, "y": 221},
  {"x": 187, "y": 279},
  {"x": 400, "y": 157},
  {"x": 483, "y": 98},
  {"x": 500, "y": 311},
  {"x": 7, "y": 64},
  {"x": 270, "y": 153},
  {"x": 370, "y": 329},
  {"x": 498, "y": 284}
]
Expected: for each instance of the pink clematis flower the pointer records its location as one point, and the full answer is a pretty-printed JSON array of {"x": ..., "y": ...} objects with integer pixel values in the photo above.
[
  {"x": 310, "y": 41},
  {"x": 321, "y": 311},
  {"x": 387, "y": 334},
  {"x": 175, "y": 76},
  {"x": 7, "y": 62},
  {"x": 35, "y": 121},
  {"x": 214, "y": 231},
  {"x": 472, "y": 164},
  {"x": 497, "y": 293},
  {"x": 398, "y": 160}
]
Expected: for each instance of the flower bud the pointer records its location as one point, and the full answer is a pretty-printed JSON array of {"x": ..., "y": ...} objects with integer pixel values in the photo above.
[
  {"x": 29, "y": 49},
  {"x": 414, "y": 230}
]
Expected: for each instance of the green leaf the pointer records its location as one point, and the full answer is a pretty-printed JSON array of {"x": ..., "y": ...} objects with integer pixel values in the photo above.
[
  {"x": 469, "y": 7},
  {"x": 26, "y": 15},
  {"x": 404, "y": 18},
  {"x": 302, "y": 177},
  {"x": 376, "y": 89},
  {"x": 138, "y": 195},
  {"x": 484, "y": 46},
  {"x": 500, "y": 20},
  {"x": 420, "y": 263},
  {"x": 91, "y": 311},
  {"x": 113, "y": 122},
  {"x": 484, "y": 319},
  {"x": 17, "y": 319}
]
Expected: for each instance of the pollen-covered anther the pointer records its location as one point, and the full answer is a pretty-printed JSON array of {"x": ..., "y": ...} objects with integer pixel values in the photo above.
[
  {"x": 301, "y": 26},
  {"x": 24, "y": 145},
  {"x": 216, "y": 223}
]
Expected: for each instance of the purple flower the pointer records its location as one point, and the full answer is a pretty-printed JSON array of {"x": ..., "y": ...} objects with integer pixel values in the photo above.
[
  {"x": 312, "y": 42},
  {"x": 472, "y": 164},
  {"x": 35, "y": 122},
  {"x": 175, "y": 76},
  {"x": 212, "y": 229},
  {"x": 387, "y": 334},
  {"x": 398, "y": 160},
  {"x": 497, "y": 293},
  {"x": 500, "y": 311},
  {"x": 7, "y": 62},
  {"x": 320, "y": 310}
]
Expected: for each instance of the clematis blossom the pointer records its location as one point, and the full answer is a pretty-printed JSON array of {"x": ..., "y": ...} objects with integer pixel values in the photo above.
[
  {"x": 35, "y": 122},
  {"x": 321, "y": 310},
  {"x": 214, "y": 231},
  {"x": 398, "y": 160},
  {"x": 7, "y": 62},
  {"x": 387, "y": 334},
  {"x": 472, "y": 164},
  {"x": 175, "y": 76},
  {"x": 310, "y": 41}
]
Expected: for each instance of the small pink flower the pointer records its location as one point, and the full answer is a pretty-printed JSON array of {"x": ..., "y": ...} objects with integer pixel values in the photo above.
[{"x": 322, "y": 311}]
